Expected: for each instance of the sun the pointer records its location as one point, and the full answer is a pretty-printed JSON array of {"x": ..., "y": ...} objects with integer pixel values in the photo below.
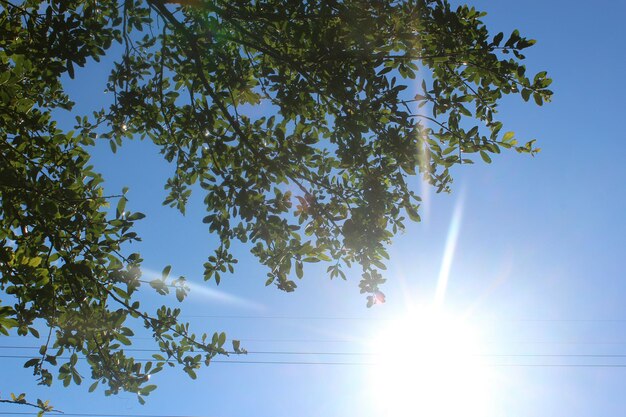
[{"x": 428, "y": 364}]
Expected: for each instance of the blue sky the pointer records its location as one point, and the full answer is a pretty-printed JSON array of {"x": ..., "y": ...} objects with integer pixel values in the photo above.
[{"x": 537, "y": 267}]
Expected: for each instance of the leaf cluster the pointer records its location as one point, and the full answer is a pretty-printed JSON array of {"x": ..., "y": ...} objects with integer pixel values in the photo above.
[{"x": 302, "y": 123}]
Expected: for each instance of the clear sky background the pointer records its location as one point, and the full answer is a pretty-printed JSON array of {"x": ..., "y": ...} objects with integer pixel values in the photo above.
[{"x": 537, "y": 268}]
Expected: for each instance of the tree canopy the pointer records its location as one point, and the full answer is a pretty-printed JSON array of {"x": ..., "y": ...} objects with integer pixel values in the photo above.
[{"x": 302, "y": 122}]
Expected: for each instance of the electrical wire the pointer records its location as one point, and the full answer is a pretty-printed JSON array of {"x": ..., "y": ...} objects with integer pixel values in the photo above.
[
  {"x": 314, "y": 353},
  {"x": 357, "y": 318},
  {"x": 355, "y": 363},
  {"x": 337, "y": 341},
  {"x": 362, "y": 318},
  {"x": 52, "y": 413}
]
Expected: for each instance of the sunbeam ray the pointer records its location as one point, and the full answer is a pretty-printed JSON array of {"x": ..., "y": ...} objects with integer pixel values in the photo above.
[
  {"x": 200, "y": 291},
  {"x": 448, "y": 254}
]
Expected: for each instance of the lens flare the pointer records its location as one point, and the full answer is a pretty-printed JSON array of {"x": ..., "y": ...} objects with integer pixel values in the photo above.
[
  {"x": 204, "y": 292},
  {"x": 448, "y": 253},
  {"x": 428, "y": 365}
]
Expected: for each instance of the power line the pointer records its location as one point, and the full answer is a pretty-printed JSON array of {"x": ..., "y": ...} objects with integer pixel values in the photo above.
[
  {"x": 361, "y": 318},
  {"x": 52, "y": 413},
  {"x": 499, "y": 365},
  {"x": 30, "y": 337},
  {"x": 286, "y": 352},
  {"x": 354, "y": 363},
  {"x": 241, "y": 317},
  {"x": 354, "y": 340}
]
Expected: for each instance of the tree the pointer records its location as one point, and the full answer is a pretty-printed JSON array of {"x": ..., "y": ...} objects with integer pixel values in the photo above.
[{"x": 294, "y": 117}]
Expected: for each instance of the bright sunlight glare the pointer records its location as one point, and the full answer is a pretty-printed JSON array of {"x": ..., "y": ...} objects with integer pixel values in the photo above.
[{"x": 428, "y": 365}]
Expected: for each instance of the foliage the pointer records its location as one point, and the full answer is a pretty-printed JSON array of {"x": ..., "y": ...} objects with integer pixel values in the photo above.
[{"x": 294, "y": 117}]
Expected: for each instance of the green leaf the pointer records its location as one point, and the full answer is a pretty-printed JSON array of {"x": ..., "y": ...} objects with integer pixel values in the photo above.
[
  {"x": 76, "y": 377},
  {"x": 148, "y": 389},
  {"x": 31, "y": 362},
  {"x": 123, "y": 339},
  {"x": 412, "y": 213},
  {"x": 539, "y": 76},
  {"x": 121, "y": 206},
  {"x": 136, "y": 216},
  {"x": 498, "y": 38},
  {"x": 70, "y": 68},
  {"x": 508, "y": 136},
  {"x": 166, "y": 272},
  {"x": 236, "y": 345},
  {"x": 34, "y": 262}
]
